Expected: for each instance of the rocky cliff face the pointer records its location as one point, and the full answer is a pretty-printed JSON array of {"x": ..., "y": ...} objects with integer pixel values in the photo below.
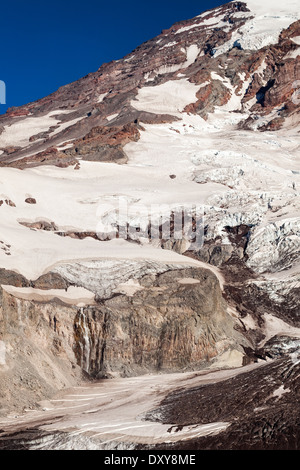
[{"x": 165, "y": 323}]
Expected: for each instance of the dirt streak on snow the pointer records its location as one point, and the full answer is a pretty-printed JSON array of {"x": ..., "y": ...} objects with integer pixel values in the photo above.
[
  {"x": 74, "y": 295},
  {"x": 114, "y": 410}
]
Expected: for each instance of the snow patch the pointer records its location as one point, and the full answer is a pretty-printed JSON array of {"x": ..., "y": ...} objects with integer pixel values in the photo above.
[
  {"x": 229, "y": 359},
  {"x": 213, "y": 22},
  {"x": 276, "y": 327},
  {"x": 101, "y": 97},
  {"x": 66, "y": 125},
  {"x": 18, "y": 134},
  {"x": 292, "y": 54},
  {"x": 170, "y": 44},
  {"x": 2, "y": 353},
  {"x": 130, "y": 58},
  {"x": 280, "y": 391},
  {"x": 188, "y": 28},
  {"x": 169, "y": 98},
  {"x": 296, "y": 40},
  {"x": 112, "y": 116},
  {"x": 129, "y": 288},
  {"x": 188, "y": 280}
]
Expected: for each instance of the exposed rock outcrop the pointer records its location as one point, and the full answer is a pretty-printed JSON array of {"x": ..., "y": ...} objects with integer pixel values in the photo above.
[
  {"x": 256, "y": 403},
  {"x": 176, "y": 320}
]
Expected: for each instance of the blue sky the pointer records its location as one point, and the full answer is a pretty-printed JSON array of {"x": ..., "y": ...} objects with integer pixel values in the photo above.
[{"x": 47, "y": 44}]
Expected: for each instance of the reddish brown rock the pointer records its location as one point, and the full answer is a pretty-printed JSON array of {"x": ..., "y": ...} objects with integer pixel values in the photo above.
[
  {"x": 105, "y": 143},
  {"x": 17, "y": 112},
  {"x": 10, "y": 203},
  {"x": 30, "y": 200}
]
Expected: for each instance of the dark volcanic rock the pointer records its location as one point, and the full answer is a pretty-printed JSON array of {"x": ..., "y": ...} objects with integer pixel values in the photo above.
[{"x": 260, "y": 407}]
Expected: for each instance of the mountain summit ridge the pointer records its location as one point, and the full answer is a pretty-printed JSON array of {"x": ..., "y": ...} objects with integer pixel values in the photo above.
[{"x": 190, "y": 50}]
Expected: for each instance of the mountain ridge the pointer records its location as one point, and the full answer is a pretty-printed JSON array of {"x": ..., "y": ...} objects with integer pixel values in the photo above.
[{"x": 134, "y": 70}]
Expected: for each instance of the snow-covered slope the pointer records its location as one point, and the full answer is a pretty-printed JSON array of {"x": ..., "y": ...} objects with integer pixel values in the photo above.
[{"x": 266, "y": 21}]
